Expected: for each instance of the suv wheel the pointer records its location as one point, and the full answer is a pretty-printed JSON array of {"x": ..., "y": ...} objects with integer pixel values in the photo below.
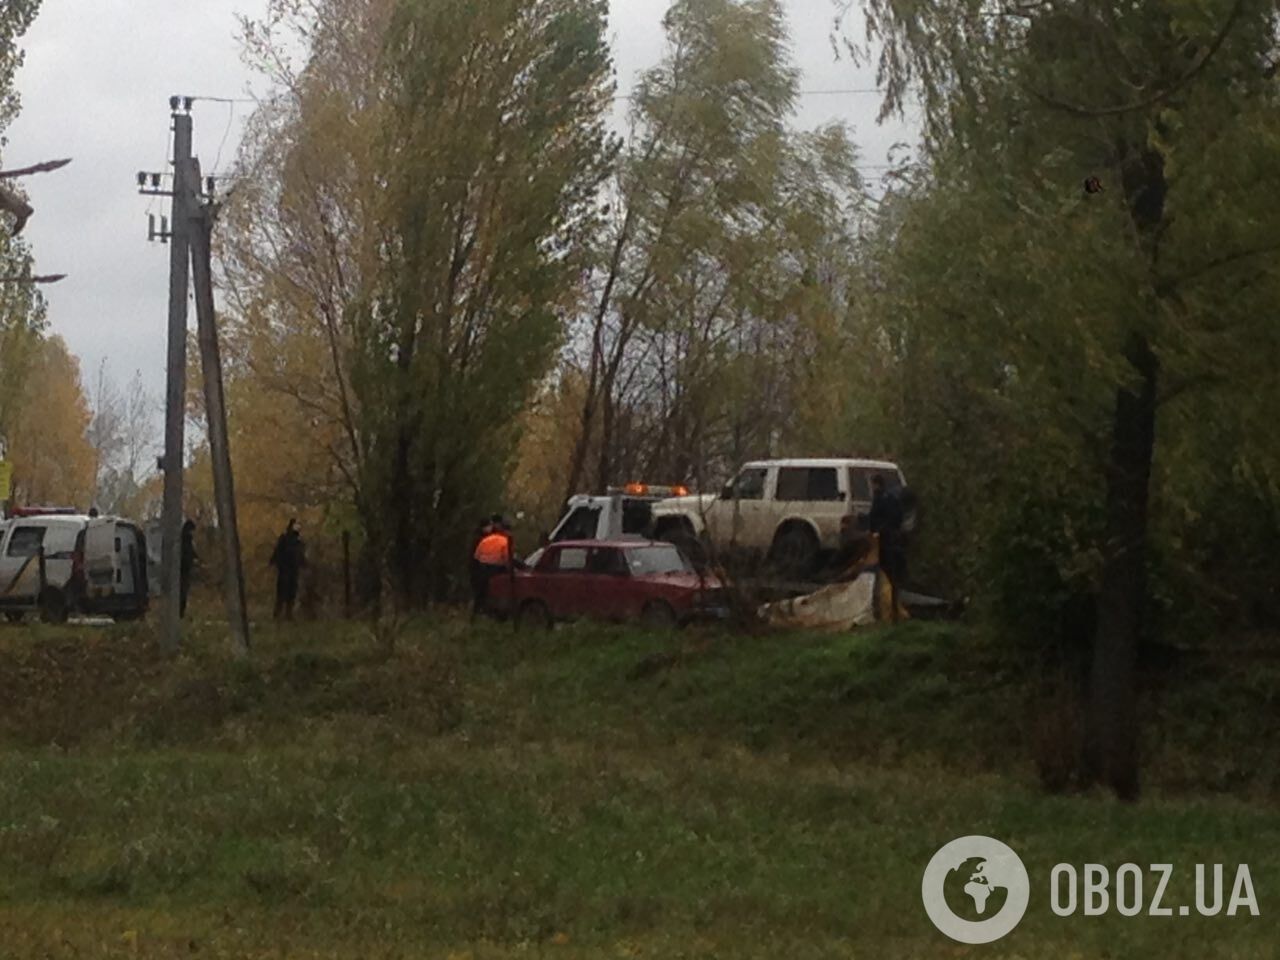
[{"x": 794, "y": 552}]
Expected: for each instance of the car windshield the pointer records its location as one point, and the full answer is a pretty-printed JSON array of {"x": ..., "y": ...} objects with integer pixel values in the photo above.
[{"x": 646, "y": 561}]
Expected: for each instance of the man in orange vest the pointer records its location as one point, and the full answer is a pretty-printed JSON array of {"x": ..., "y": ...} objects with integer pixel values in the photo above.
[{"x": 492, "y": 557}]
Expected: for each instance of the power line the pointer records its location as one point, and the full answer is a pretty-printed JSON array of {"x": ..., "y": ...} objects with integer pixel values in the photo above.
[
  {"x": 225, "y": 99},
  {"x": 805, "y": 93}
]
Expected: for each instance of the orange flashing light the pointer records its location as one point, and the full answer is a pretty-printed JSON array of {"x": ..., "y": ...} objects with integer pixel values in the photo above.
[{"x": 679, "y": 491}]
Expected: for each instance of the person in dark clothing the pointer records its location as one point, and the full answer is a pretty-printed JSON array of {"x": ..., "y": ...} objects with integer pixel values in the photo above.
[
  {"x": 186, "y": 563},
  {"x": 885, "y": 520},
  {"x": 289, "y": 557}
]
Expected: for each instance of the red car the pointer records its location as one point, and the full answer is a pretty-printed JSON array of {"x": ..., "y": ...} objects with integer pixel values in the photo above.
[{"x": 610, "y": 580}]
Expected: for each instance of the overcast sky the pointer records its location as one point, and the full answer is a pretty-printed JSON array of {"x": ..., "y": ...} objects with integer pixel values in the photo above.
[{"x": 95, "y": 87}]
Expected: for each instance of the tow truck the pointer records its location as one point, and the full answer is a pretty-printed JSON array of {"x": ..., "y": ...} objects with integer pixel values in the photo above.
[{"x": 619, "y": 513}]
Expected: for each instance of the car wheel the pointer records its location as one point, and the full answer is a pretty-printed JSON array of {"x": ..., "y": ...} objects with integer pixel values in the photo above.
[
  {"x": 53, "y": 606},
  {"x": 533, "y": 615},
  {"x": 658, "y": 615},
  {"x": 13, "y": 616},
  {"x": 794, "y": 552}
]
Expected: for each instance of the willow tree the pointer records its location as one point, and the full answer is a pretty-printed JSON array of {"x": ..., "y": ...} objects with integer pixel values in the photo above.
[
  {"x": 493, "y": 152},
  {"x": 723, "y": 225},
  {"x": 21, "y": 308},
  {"x": 1112, "y": 309},
  {"x": 401, "y": 254}
]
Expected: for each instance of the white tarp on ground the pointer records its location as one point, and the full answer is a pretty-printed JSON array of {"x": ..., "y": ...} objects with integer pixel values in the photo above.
[{"x": 841, "y": 606}]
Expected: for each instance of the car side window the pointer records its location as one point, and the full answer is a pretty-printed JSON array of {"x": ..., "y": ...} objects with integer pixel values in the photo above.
[
  {"x": 25, "y": 542},
  {"x": 749, "y": 485},
  {"x": 608, "y": 561},
  {"x": 581, "y": 525},
  {"x": 570, "y": 560}
]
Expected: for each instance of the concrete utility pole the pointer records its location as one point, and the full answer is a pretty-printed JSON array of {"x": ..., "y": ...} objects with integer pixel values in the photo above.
[
  {"x": 202, "y": 218},
  {"x": 184, "y": 188}
]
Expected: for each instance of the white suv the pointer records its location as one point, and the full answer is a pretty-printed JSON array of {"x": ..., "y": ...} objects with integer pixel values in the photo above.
[{"x": 791, "y": 511}]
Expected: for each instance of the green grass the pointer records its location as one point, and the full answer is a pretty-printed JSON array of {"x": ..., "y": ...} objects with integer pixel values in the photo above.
[{"x": 490, "y": 794}]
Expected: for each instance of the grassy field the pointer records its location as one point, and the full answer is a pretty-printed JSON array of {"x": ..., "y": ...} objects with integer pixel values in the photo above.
[{"x": 586, "y": 793}]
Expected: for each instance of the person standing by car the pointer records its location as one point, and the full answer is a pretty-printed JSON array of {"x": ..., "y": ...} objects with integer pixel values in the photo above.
[
  {"x": 187, "y": 562},
  {"x": 885, "y": 521},
  {"x": 289, "y": 557},
  {"x": 492, "y": 558}
]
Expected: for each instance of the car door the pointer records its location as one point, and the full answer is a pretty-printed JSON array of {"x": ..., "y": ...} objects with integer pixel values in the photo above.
[
  {"x": 19, "y": 570},
  {"x": 739, "y": 515},
  {"x": 563, "y": 588},
  {"x": 606, "y": 585}
]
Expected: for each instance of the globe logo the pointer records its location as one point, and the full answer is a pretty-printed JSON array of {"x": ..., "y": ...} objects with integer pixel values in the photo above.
[{"x": 975, "y": 889}]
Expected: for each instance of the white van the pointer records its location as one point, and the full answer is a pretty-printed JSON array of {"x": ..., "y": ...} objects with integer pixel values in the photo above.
[{"x": 59, "y": 564}]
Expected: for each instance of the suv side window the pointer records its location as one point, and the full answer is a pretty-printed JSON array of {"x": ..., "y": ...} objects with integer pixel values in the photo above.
[
  {"x": 581, "y": 525},
  {"x": 748, "y": 486},
  {"x": 25, "y": 542},
  {"x": 808, "y": 483}
]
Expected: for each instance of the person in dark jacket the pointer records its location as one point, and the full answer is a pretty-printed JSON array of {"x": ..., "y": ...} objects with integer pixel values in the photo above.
[
  {"x": 289, "y": 557},
  {"x": 187, "y": 561},
  {"x": 885, "y": 520}
]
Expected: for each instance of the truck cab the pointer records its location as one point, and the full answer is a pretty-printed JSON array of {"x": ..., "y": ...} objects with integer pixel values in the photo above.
[{"x": 621, "y": 512}]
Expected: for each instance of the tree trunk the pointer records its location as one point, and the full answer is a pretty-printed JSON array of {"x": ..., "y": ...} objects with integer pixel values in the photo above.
[{"x": 1111, "y": 725}]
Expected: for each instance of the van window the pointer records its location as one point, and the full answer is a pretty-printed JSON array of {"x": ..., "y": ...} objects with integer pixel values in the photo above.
[
  {"x": 860, "y": 481},
  {"x": 25, "y": 542},
  {"x": 808, "y": 483}
]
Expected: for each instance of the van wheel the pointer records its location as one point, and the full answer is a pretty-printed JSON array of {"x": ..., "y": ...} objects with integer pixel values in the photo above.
[
  {"x": 533, "y": 615},
  {"x": 53, "y": 606},
  {"x": 794, "y": 552},
  {"x": 658, "y": 615},
  {"x": 13, "y": 616}
]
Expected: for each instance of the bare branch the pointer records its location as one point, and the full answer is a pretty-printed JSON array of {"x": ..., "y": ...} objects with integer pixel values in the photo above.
[
  {"x": 45, "y": 278},
  {"x": 1187, "y": 276},
  {"x": 46, "y": 167}
]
